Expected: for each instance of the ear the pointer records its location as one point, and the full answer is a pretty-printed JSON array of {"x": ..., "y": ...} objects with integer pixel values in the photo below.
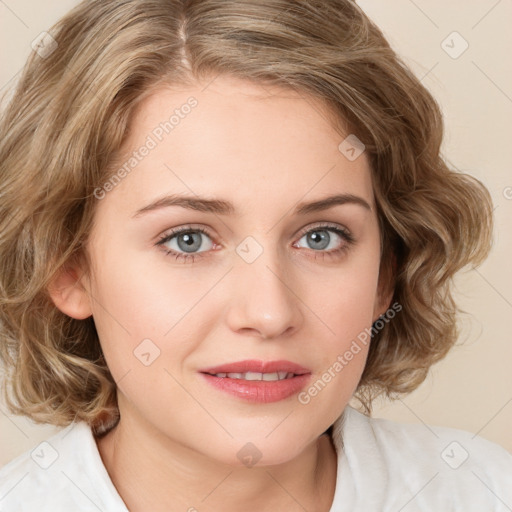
[
  {"x": 68, "y": 293},
  {"x": 386, "y": 287}
]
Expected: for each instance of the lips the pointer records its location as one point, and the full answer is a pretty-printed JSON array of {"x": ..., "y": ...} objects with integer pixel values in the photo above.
[{"x": 258, "y": 381}]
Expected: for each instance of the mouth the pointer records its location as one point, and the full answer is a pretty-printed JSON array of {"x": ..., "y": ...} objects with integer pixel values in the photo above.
[
  {"x": 254, "y": 368},
  {"x": 258, "y": 381},
  {"x": 268, "y": 377}
]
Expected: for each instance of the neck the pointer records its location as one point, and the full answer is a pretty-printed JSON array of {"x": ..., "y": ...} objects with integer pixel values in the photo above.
[{"x": 152, "y": 472}]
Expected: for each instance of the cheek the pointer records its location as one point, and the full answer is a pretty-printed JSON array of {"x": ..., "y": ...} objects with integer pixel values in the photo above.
[
  {"x": 344, "y": 301},
  {"x": 143, "y": 318},
  {"x": 341, "y": 352},
  {"x": 137, "y": 294},
  {"x": 345, "y": 305}
]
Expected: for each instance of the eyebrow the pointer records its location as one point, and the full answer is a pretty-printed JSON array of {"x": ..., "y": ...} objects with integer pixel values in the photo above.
[{"x": 223, "y": 207}]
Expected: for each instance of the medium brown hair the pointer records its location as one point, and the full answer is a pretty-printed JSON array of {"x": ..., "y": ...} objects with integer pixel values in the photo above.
[{"x": 68, "y": 119}]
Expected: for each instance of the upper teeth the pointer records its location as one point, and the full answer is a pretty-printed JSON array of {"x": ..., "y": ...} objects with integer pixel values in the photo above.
[{"x": 257, "y": 375}]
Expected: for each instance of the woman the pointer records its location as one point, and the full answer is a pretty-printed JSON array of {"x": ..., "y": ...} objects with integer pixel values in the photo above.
[{"x": 222, "y": 220}]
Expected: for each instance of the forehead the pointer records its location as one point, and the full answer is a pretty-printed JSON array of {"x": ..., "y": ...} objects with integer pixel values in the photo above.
[{"x": 249, "y": 142}]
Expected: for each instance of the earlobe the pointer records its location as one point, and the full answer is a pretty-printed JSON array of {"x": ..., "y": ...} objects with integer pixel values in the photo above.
[{"x": 69, "y": 295}]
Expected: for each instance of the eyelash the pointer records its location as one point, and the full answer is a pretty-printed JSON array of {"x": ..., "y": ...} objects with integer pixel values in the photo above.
[{"x": 341, "y": 232}]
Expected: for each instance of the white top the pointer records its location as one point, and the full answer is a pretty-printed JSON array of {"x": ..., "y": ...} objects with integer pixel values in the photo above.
[{"x": 382, "y": 466}]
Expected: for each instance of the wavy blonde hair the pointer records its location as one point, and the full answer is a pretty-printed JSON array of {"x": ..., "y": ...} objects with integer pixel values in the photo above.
[{"x": 68, "y": 119}]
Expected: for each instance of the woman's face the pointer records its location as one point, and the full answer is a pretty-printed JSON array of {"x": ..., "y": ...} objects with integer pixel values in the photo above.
[{"x": 270, "y": 279}]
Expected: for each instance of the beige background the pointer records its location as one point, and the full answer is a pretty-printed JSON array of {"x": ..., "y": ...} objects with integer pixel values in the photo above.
[{"x": 472, "y": 388}]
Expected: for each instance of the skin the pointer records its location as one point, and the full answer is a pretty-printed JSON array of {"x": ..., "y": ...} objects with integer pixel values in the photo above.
[{"x": 264, "y": 150}]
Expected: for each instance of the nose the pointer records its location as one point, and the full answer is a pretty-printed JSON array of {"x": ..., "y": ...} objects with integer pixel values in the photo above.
[{"x": 263, "y": 299}]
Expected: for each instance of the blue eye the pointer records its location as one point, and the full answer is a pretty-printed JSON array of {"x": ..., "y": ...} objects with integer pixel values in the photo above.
[
  {"x": 189, "y": 239},
  {"x": 320, "y": 237}
]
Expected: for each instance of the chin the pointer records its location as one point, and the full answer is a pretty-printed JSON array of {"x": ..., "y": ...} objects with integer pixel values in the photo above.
[{"x": 260, "y": 449}]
